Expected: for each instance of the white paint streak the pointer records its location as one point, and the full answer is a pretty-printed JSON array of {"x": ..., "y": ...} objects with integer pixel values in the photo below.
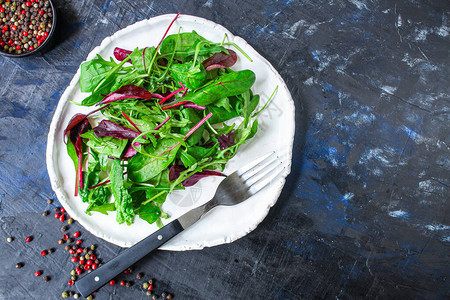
[
  {"x": 399, "y": 21},
  {"x": 389, "y": 89},
  {"x": 208, "y": 3},
  {"x": 319, "y": 116},
  {"x": 309, "y": 81},
  {"x": 421, "y": 35},
  {"x": 359, "y": 4},
  {"x": 349, "y": 196},
  {"x": 437, "y": 227},
  {"x": 398, "y": 213}
]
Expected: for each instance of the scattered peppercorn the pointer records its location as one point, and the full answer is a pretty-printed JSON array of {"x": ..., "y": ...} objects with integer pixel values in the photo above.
[
  {"x": 65, "y": 237},
  {"x": 169, "y": 296},
  {"x": 73, "y": 272},
  {"x": 150, "y": 287},
  {"x": 128, "y": 284},
  {"x": 149, "y": 293},
  {"x": 56, "y": 209},
  {"x": 70, "y": 221},
  {"x": 45, "y": 213},
  {"x": 57, "y": 215},
  {"x": 122, "y": 283},
  {"x": 93, "y": 247},
  {"x": 112, "y": 282},
  {"x": 9, "y": 240},
  {"x": 71, "y": 293},
  {"x": 49, "y": 201},
  {"x": 71, "y": 282},
  {"x": 46, "y": 278},
  {"x": 76, "y": 234},
  {"x": 28, "y": 239},
  {"x": 145, "y": 285},
  {"x": 73, "y": 277},
  {"x": 62, "y": 218},
  {"x": 51, "y": 250},
  {"x": 65, "y": 294},
  {"x": 64, "y": 228},
  {"x": 44, "y": 252},
  {"x": 139, "y": 275},
  {"x": 37, "y": 273},
  {"x": 89, "y": 297},
  {"x": 78, "y": 242},
  {"x": 61, "y": 242},
  {"x": 154, "y": 297},
  {"x": 163, "y": 295},
  {"x": 69, "y": 240},
  {"x": 19, "y": 265},
  {"x": 67, "y": 248},
  {"x": 76, "y": 296},
  {"x": 150, "y": 281},
  {"x": 62, "y": 210}
]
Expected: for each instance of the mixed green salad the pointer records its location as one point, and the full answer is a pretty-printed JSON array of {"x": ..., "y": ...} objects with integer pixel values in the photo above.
[{"x": 160, "y": 123}]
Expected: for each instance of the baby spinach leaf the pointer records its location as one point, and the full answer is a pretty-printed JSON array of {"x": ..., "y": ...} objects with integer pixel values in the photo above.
[
  {"x": 149, "y": 212},
  {"x": 142, "y": 168},
  {"x": 122, "y": 199},
  {"x": 231, "y": 84},
  {"x": 184, "y": 45},
  {"x": 192, "y": 77},
  {"x": 104, "y": 208},
  {"x": 142, "y": 59}
]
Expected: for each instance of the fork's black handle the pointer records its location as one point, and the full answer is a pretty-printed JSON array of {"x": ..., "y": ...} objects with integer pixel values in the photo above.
[{"x": 102, "y": 275}]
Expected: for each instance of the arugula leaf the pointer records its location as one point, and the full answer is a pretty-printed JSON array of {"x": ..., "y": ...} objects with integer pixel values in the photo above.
[
  {"x": 107, "y": 145},
  {"x": 93, "y": 72}
]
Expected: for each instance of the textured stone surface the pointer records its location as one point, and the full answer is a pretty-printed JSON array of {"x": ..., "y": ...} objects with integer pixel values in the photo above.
[{"x": 364, "y": 212}]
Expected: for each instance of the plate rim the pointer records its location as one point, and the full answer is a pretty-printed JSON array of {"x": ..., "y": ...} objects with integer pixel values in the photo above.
[{"x": 61, "y": 104}]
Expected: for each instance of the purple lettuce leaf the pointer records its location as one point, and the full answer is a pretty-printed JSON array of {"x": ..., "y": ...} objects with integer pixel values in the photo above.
[
  {"x": 127, "y": 92},
  {"x": 121, "y": 54},
  {"x": 175, "y": 170},
  {"x": 220, "y": 60},
  {"x": 109, "y": 128},
  {"x": 226, "y": 140}
]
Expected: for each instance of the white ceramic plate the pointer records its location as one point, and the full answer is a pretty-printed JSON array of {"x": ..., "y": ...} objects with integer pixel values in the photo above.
[{"x": 223, "y": 224}]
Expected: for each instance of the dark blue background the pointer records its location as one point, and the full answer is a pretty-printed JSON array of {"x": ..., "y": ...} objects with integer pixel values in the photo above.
[{"x": 364, "y": 213}]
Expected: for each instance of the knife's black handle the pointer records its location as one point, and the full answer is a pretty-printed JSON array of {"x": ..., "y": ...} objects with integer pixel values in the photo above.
[{"x": 102, "y": 275}]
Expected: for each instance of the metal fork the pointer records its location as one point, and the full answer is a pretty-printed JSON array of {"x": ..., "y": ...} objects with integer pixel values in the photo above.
[{"x": 234, "y": 189}]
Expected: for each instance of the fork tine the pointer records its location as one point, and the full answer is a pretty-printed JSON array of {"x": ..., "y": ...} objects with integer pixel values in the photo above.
[
  {"x": 252, "y": 164},
  {"x": 258, "y": 168},
  {"x": 261, "y": 173},
  {"x": 256, "y": 187}
]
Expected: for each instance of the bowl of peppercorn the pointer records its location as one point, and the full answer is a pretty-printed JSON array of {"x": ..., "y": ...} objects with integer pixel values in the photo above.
[{"x": 27, "y": 26}]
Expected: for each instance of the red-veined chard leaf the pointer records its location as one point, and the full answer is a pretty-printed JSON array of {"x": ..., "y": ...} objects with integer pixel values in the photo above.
[
  {"x": 109, "y": 128},
  {"x": 121, "y": 54},
  {"x": 220, "y": 60},
  {"x": 128, "y": 92},
  {"x": 175, "y": 171},
  {"x": 226, "y": 140}
]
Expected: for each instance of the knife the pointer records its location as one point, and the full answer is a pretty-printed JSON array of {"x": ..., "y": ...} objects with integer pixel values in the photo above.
[{"x": 234, "y": 189}]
